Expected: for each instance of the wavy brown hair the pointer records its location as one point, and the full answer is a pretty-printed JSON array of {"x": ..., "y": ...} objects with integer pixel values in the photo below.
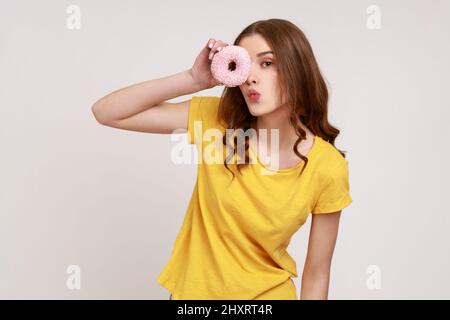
[{"x": 306, "y": 95}]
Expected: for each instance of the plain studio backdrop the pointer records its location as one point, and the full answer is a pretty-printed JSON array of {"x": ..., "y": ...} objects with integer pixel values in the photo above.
[{"x": 78, "y": 199}]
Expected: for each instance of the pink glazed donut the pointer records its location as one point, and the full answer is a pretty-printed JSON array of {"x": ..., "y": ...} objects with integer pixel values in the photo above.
[{"x": 231, "y": 66}]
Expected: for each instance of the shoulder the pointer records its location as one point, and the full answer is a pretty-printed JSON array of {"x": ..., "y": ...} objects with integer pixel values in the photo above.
[
  {"x": 203, "y": 115},
  {"x": 213, "y": 100},
  {"x": 208, "y": 102},
  {"x": 205, "y": 108},
  {"x": 328, "y": 160}
]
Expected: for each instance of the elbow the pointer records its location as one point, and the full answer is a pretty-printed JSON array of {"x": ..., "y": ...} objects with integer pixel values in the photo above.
[
  {"x": 316, "y": 276},
  {"x": 95, "y": 109},
  {"x": 317, "y": 271}
]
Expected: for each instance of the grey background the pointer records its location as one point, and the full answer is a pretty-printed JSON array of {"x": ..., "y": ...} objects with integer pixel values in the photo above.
[{"x": 73, "y": 192}]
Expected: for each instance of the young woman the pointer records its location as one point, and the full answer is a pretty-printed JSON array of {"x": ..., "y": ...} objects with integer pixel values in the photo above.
[{"x": 241, "y": 216}]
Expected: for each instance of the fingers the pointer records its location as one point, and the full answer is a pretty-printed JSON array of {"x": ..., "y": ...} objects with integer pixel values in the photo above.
[{"x": 215, "y": 47}]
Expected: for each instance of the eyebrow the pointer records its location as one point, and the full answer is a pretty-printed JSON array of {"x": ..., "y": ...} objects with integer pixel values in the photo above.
[{"x": 263, "y": 53}]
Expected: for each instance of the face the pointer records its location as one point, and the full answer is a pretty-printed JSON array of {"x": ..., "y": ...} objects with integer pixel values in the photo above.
[{"x": 263, "y": 76}]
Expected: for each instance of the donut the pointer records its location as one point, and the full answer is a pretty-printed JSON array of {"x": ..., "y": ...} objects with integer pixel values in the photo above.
[{"x": 231, "y": 66}]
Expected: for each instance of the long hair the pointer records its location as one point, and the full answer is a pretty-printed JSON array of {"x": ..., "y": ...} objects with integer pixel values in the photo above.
[{"x": 301, "y": 83}]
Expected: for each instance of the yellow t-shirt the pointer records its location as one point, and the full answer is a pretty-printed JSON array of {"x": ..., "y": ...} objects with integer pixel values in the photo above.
[{"x": 233, "y": 240}]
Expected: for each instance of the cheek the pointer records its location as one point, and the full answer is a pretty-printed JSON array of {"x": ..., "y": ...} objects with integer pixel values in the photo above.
[
  {"x": 275, "y": 90},
  {"x": 273, "y": 78}
]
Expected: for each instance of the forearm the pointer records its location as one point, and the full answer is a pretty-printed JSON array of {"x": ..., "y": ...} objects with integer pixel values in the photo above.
[
  {"x": 133, "y": 99},
  {"x": 315, "y": 286}
]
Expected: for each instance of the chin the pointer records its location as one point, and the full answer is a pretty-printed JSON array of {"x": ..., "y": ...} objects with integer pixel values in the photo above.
[{"x": 259, "y": 110}]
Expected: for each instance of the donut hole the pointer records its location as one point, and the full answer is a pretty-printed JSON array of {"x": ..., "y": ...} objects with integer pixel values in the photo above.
[{"x": 232, "y": 66}]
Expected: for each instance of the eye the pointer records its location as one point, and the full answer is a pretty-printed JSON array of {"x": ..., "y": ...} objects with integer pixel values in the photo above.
[{"x": 267, "y": 62}]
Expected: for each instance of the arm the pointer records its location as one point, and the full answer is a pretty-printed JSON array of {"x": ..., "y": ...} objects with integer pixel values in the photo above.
[
  {"x": 136, "y": 107},
  {"x": 142, "y": 106},
  {"x": 322, "y": 240}
]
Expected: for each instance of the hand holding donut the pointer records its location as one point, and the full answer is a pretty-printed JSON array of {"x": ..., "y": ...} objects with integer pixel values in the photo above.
[{"x": 201, "y": 70}]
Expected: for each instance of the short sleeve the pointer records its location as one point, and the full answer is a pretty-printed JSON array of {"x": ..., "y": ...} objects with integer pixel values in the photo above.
[
  {"x": 194, "y": 114},
  {"x": 202, "y": 115},
  {"x": 335, "y": 195}
]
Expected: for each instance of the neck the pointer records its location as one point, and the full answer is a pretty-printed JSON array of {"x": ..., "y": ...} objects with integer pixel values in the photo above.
[{"x": 279, "y": 120}]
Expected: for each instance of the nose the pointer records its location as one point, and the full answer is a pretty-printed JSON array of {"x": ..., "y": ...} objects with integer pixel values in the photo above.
[
  {"x": 250, "y": 80},
  {"x": 251, "y": 77}
]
